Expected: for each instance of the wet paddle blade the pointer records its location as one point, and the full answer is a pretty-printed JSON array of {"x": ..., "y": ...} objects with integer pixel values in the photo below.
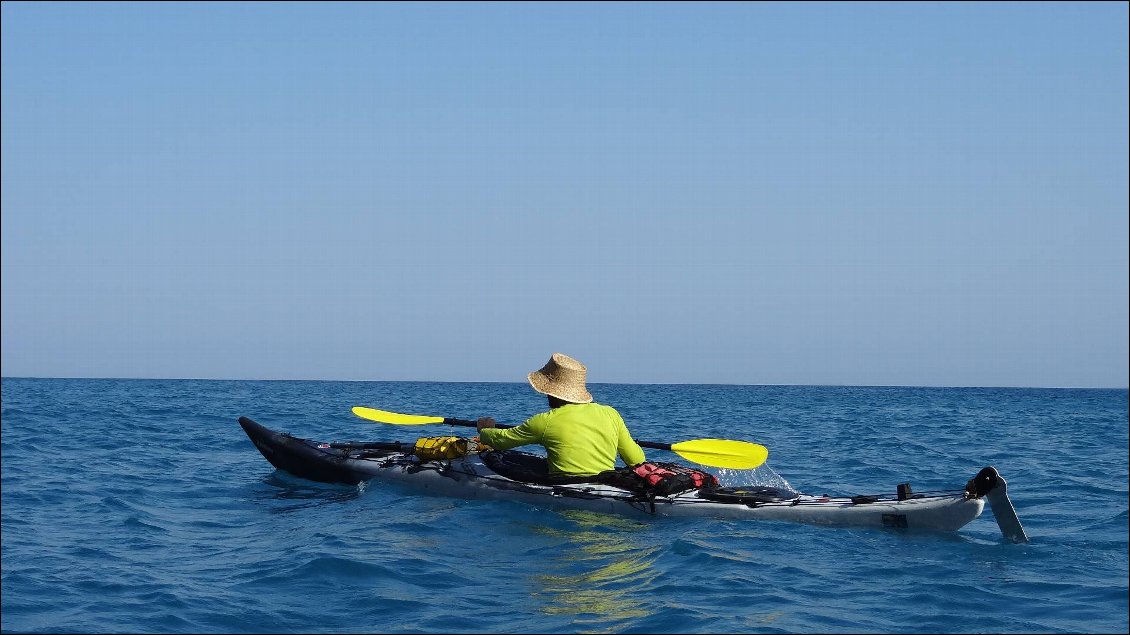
[{"x": 736, "y": 455}]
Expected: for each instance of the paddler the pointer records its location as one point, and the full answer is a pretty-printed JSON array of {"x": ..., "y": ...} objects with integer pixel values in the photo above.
[{"x": 581, "y": 438}]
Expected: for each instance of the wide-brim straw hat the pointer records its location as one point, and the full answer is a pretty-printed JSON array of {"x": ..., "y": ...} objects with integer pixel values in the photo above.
[{"x": 562, "y": 377}]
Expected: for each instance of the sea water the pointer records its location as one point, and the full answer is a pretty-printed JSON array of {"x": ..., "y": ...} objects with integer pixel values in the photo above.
[{"x": 140, "y": 506}]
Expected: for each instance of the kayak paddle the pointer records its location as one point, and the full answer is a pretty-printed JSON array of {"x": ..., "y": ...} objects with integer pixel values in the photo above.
[{"x": 736, "y": 455}]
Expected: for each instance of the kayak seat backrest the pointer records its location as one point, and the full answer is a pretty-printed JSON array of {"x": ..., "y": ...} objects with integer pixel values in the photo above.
[
  {"x": 532, "y": 468},
  {"x": 529, "y": 468}
]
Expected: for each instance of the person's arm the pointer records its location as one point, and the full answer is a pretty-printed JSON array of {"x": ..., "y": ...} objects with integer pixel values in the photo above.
[
  {"x": 629, "y": 450},
  {"x": 506, "y": 438}
]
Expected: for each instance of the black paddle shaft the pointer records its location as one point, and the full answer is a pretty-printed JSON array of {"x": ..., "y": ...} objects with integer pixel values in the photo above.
[{"x": 475, "y": 424}]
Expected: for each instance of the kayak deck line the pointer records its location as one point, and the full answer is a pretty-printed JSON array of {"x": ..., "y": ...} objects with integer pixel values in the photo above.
[{"x": 476, "y": 475}]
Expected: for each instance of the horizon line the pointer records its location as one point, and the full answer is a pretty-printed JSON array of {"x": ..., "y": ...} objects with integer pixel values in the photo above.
[{"x": 591, "y": 383}]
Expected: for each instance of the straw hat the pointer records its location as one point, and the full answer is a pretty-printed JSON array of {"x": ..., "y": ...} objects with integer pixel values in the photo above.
[{"x": 562, "y": 377}]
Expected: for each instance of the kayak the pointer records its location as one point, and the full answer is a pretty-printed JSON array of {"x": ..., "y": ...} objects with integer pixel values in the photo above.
[{"x": 520, "y": 476}]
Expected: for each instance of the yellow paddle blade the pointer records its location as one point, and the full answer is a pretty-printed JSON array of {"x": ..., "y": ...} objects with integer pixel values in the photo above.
[
  {"x": 737, "y": 455},
  {"x": 385, "y": 416}
]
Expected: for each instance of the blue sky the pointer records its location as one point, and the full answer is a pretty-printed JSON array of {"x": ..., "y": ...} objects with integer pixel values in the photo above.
[{"x": 750, "y": 193}]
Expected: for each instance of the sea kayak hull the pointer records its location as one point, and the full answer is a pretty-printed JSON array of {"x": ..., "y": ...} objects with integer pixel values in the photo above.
[{"x": 470, "y": 477}]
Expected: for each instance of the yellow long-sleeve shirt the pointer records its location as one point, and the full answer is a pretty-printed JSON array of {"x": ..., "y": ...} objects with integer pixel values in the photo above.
[{"x": 579, "y": 439}]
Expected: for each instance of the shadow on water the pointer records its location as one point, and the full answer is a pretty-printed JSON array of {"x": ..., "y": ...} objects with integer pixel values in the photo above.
[
  {"x": 300, "y": 493},
  {"x": 599, "y": 562}
]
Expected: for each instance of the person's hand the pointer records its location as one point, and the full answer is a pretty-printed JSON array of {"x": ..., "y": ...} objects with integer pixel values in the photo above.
[{"x": 484, "y": 422}]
